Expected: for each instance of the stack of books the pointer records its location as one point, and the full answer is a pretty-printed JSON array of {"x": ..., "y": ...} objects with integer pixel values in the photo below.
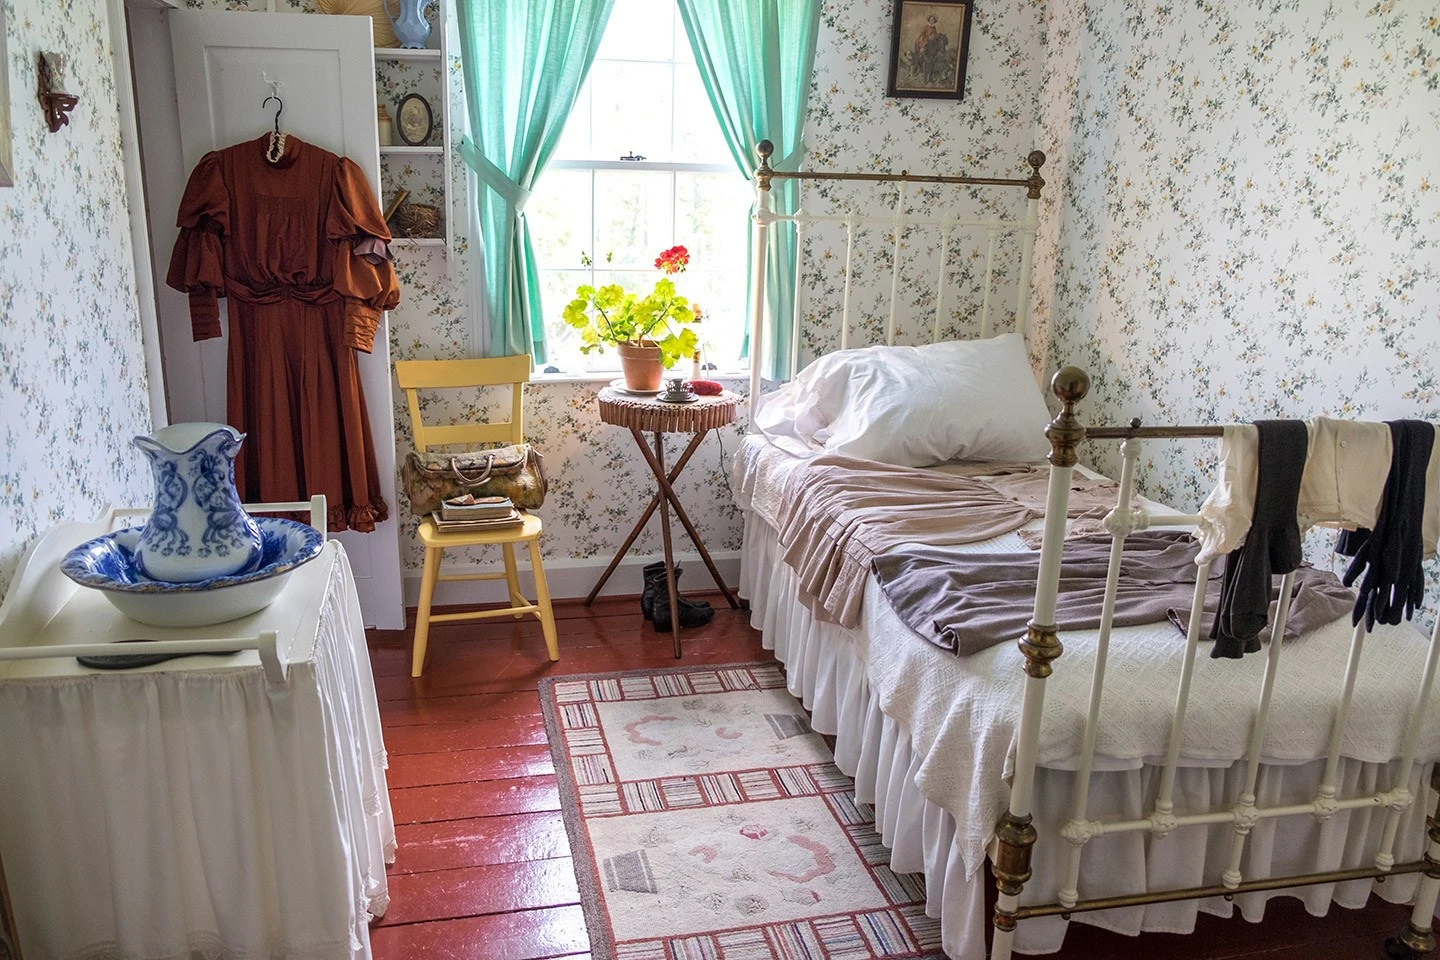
[{"x": 469, "y": 514}]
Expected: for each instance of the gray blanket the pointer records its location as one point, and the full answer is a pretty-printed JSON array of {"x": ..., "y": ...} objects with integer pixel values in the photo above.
[{"x": 966, "y": 602}]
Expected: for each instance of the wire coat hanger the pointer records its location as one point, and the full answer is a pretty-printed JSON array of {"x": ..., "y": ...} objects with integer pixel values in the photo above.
[{"x": 277, "y": 139}]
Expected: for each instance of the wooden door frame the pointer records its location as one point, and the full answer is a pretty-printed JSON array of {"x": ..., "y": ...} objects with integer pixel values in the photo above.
[{"x": 135, "y": 198}]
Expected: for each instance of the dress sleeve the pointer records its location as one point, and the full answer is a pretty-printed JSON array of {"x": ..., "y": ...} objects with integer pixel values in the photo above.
[
  {"x": 197, "y": 265},
  {"x": 364, "y": 276}
]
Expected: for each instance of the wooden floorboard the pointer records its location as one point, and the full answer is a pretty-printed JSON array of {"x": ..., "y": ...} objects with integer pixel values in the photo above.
[{"x": 483, "y": 870}]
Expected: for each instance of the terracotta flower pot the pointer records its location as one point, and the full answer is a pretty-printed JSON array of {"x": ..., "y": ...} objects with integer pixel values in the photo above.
[{"x": 641, "y": 365}]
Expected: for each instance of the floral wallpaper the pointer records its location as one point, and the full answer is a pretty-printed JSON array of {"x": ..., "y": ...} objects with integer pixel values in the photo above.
[
  {"x": 1247, "y": 219},
  {"x": 72, "y": 367}
]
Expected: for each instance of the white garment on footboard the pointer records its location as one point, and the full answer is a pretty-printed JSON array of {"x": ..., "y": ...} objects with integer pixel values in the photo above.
[
  {"x": 860, "y": 690},
  {"x": 194, "y": 809}
]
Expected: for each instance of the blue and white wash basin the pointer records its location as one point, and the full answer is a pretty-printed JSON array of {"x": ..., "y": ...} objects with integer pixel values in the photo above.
[{"x": 107, "y": 563}]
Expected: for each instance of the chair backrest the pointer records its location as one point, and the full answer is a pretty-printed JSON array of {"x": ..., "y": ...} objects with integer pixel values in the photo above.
[{"x": 417, "y": 375}]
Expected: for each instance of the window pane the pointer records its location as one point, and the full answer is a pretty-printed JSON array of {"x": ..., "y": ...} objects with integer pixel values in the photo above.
[
  {"x": 721, "y": 297},
  {"x": 575, "y": 141},
  {"x": 632, "y": 110},
  {"x": 697, "y": 133},
  {"x": 633, "y": 217},
  {"x": 557, "y": 288},
  {"x": 559, "y": 218},
  {"x": 640, "y": 30},
  {"x": 683, "y": 51},
  {"x": 712, "y": 218}
]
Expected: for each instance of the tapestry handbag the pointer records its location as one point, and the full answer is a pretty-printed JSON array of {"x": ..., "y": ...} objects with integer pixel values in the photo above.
[{"x": 516, "y": 471}]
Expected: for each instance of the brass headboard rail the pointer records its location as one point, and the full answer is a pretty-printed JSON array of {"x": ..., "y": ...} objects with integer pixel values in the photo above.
[
  {"x": 1136, "y": 432},
  {"x": 764, "y": 173}
]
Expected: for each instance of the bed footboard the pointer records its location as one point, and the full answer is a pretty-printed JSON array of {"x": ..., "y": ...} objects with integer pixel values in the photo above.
[{"x": 1041, "y": 647}]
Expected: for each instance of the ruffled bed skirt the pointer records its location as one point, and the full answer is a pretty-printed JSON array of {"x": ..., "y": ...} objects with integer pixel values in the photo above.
[{"x": 826, "y": 673}]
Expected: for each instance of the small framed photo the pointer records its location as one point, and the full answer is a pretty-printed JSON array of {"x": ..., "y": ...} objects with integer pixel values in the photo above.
[
  {"x": 929, "y": 43},
  {"x": 414, "y": 121}
]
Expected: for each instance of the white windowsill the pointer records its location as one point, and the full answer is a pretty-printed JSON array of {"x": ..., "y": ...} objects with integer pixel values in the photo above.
[{"x": 597, "y": 377}]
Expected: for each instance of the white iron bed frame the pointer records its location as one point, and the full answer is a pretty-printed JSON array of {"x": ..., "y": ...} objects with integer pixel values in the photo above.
[
  {"x": 994, "y": 227},
  {"x": 1015, "y": 834}
]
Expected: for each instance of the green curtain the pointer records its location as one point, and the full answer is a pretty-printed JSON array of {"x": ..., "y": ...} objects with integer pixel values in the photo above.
[
  {"x": 524, "y": 62},
  {"x": 756, "y": 58}
]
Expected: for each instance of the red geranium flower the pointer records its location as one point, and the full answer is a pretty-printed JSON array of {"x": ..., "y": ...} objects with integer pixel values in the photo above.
[{"x": 674, "y": 260}]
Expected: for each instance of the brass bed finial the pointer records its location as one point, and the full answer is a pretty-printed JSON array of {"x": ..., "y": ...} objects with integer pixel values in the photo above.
[
  {"x": 1065, "y": 432},
  {"x": 763, "y": 172},
  {"x": 1036, "y": 161}
]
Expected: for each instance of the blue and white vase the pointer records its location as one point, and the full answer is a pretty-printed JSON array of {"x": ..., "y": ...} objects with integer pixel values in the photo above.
[
  {"x": 411, "y": 29},
  {"x": 197, "y": 528}
]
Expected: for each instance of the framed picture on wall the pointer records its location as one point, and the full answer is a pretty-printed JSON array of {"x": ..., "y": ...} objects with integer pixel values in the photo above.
[{"x": 929, "y": 43}]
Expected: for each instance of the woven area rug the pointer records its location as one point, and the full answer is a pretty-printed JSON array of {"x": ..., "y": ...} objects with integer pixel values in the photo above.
[{"x": 709, "y": 822}]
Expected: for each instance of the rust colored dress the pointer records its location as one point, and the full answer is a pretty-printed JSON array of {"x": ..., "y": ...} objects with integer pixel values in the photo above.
[{"x": 300, "y": 249}]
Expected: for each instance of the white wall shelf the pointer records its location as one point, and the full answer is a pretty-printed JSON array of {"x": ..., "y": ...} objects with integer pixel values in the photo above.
[
  {"x": 400, "y": 53},
  {"x": 437, "y": 58}
]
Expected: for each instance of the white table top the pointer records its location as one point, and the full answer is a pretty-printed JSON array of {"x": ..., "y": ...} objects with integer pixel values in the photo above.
[{"x": 86, "y": 617}]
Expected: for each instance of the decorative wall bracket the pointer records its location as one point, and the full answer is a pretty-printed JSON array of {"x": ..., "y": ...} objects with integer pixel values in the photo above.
[{"x": 56, "y": 103}]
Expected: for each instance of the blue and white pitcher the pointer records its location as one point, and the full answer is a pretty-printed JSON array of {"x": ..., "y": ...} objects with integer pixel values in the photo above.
[
  {"x": 197, "y": 528},
  {"x": 411, "y": 29}
]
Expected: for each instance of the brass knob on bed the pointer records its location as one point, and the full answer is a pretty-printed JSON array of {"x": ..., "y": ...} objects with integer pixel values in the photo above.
[
  {"x": 1035, "y": 182},
  {"x": 762, "y": 173},
  {"x": 1065, "y": 432},
  {"x": 1070, "y": 384}
]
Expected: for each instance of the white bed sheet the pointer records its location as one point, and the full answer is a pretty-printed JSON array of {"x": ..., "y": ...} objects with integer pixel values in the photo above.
[{"x": 931, "y": 737}]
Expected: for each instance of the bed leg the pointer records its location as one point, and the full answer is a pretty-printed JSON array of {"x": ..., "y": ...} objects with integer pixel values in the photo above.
[
  {"x": 1014, "y": 837},
  {"x": 1419, "y": 939}
]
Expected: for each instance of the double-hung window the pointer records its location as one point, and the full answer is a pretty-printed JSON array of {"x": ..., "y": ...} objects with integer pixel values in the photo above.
[{"x": 642, "y": 167}]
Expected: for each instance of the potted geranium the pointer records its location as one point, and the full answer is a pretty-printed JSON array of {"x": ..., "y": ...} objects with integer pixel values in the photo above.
[{"x": 650, "y": 333}]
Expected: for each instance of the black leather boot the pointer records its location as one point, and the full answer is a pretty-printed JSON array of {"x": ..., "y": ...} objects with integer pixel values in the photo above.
[
  {"x": 693, "y": 613},
  {"x": 654, "y": 580}
]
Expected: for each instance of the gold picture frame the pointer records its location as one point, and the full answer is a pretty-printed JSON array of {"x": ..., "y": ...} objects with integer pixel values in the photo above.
[{"x": 929, "y": 46}]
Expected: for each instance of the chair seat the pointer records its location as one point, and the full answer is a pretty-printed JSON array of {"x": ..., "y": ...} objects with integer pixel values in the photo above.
[{"x": 432, "y": 537}]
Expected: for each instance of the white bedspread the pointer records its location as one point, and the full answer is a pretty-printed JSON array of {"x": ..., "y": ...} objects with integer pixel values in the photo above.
[{"x": 961, "y": 712}]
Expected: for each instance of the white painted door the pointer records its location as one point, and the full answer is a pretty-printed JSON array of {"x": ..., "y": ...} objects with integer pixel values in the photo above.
[{"x": 326, "y": 70}]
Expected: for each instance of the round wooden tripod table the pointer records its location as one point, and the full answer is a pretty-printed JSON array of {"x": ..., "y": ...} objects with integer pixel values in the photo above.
[{"x": 655, "y": 416}]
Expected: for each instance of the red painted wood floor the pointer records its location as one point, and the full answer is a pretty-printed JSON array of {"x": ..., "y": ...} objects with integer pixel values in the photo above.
[{"x": 484, "y": 870}]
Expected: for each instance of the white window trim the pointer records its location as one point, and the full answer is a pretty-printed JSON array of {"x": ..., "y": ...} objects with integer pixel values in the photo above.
[{"x": 657, "y": 166}]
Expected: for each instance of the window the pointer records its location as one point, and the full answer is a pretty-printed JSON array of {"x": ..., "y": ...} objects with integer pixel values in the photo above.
[{"x": 643, "y": 100}]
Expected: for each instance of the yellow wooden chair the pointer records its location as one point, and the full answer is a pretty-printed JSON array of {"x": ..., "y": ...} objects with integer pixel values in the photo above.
[{"x": 416, "y": 375}]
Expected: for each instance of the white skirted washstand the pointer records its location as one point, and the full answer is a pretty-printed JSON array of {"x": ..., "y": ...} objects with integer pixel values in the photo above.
[{"x": 216, "y": 804}]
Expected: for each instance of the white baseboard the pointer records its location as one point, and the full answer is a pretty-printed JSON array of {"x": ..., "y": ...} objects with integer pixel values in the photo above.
[{"x": 570, "y": 577}]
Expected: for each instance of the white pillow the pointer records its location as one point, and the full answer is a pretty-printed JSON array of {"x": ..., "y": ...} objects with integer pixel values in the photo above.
[{"x": 917, "y": 406}]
